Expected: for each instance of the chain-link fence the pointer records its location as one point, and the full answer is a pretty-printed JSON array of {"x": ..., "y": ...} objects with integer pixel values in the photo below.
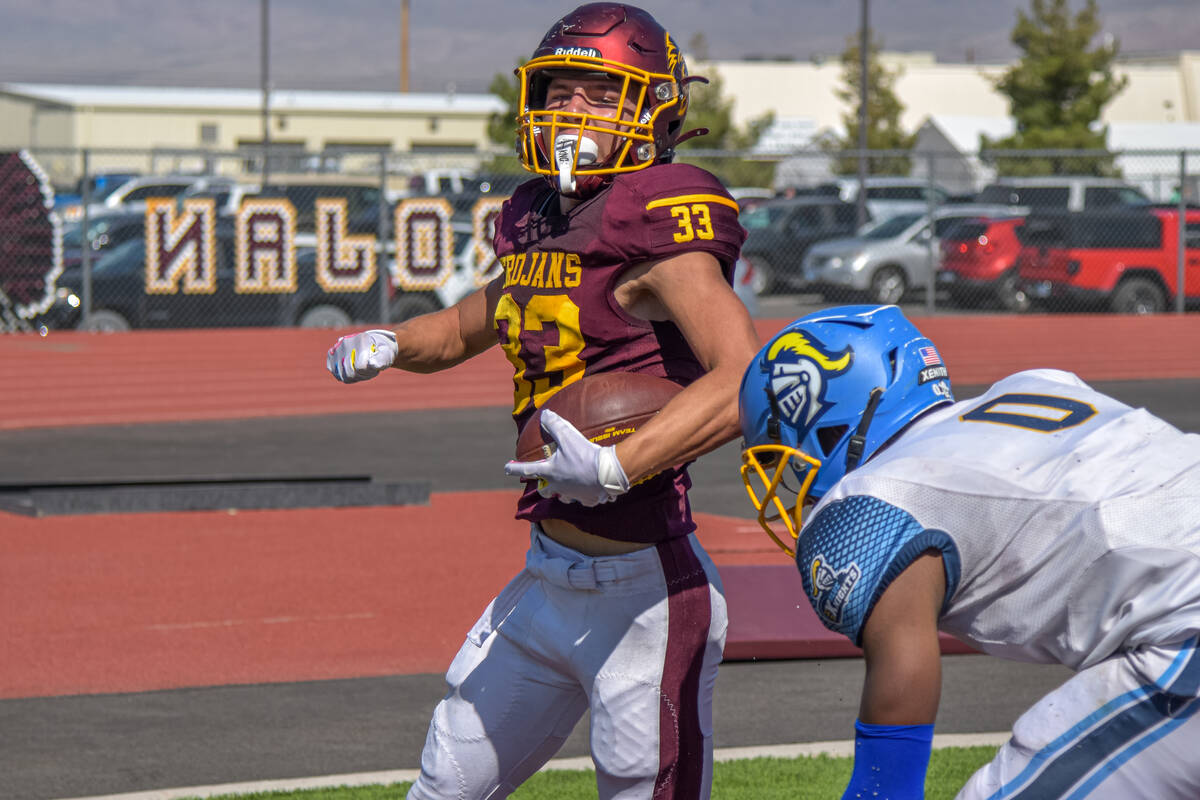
[
  {"x": 1008, "y": 231},
  {"x": 139, "y": 239}
]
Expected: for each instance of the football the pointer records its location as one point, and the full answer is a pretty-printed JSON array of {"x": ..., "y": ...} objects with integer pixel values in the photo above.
[{"x": 605, "y": 408}]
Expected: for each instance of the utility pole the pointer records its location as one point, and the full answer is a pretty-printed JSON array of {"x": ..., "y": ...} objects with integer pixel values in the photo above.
[
  {"x": 864, "y": 41},
  {"x": 404, "y": 46},
  {"x": 265, "y": 75}
]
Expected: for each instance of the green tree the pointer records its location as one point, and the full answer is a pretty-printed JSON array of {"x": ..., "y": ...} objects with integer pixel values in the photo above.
[
  {"x": 1057, "y": 90},
  {"x": 708, "y": 107},
  {"x": 883, "y": 113},
  {"x": 502, "y": 125}
]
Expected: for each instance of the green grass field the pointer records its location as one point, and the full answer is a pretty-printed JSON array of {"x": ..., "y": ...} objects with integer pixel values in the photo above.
[{"x": 749, "y": 779}]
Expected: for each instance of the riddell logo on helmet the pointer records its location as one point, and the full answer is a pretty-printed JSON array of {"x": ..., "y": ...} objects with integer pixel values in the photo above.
[{"x": 590, "y": 52}]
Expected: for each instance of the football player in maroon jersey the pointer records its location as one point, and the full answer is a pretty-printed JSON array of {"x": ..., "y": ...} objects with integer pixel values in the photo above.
[{"x": 614, "y": 258}]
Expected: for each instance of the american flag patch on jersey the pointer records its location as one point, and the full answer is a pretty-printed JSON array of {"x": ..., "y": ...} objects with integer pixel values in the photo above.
[{"x": 929, "y": 356}]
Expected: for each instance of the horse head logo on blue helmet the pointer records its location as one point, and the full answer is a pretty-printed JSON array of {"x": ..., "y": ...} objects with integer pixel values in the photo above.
[{"x": 823, "y": 396}]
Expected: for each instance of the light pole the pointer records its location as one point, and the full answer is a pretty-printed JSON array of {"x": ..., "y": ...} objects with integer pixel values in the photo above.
[
  {"x": 265, "y": 76},
  {"x": 404, "y": 46},
  {"x": 864, "y": 40}
]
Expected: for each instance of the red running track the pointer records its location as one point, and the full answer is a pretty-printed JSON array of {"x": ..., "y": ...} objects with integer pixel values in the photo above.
[
  {"x": 134, "y": 602},
  {"x": 152, "y": 601},
  {"x": 70, "y": 378}
]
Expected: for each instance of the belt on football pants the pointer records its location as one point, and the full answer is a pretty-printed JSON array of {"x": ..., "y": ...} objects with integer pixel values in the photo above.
[{"x": 570, "y": 569}]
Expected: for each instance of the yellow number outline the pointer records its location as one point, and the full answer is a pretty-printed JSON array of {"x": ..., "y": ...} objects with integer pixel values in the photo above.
[
  {"x": 702, "y": 228},
  {"x": 561, "y": 358},
  {"x": 685, "y": 223}
]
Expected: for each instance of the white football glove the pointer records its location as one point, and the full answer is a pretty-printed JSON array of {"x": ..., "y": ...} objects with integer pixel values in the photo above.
[
  {"x": 578, "y": 471},
  {"x": 361, "y": 355}
]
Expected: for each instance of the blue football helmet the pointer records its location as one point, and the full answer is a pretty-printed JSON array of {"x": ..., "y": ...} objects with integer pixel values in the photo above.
[{"x": 823, "y": 396}]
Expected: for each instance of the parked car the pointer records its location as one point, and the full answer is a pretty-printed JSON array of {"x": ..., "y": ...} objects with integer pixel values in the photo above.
[
  {"x": 433, "y": 182},
  {"x": 779, "y": 233},
  {"x": 1126, "y": 261},
  {"x": 979, "y": 263},
  {"x": 888, "y": 196},
  {"x": 743, "y": 285},
  {"x": 105, "y": 230},
  {"x": 226, "y": 193},
  {"x": 363, "y": 198},
  {"x": 120, "y": 300},
  {"x": 99, "y": 184},
  {"x": 888, "y": 259},
  {"x": 133, "y": 194},
  {"x": 1067, "y": 192},
  {"x": 750, "y": 196}
]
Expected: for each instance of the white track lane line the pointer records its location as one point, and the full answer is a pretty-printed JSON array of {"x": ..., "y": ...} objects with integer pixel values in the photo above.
[{"x": 838, "y": 748}]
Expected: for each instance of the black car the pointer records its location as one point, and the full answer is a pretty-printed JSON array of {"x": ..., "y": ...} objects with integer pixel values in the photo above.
[
  {"x": 779, "y": 233},
  {"x": 120, "y": 300},
  {"x": 364, "y": 202},
  {"x": 104, "y": 231}
]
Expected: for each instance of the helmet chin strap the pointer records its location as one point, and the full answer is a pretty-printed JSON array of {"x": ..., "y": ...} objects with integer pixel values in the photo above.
[
  {"x": 566, "y": 159},
  {"x": 858, "y": 442}
]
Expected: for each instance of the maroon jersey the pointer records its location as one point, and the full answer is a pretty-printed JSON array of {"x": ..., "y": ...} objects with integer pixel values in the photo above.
[{"x": 557, "y": 318}]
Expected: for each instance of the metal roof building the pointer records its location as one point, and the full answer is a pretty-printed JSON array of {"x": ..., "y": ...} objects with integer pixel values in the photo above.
[{"x": 44, "y": 118}]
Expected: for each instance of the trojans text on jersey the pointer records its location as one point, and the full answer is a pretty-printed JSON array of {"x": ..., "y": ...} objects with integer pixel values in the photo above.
[{"x": 544, "y": 270}]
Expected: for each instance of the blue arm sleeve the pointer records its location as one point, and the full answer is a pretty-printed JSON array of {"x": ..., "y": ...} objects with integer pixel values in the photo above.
[{"x": 890, "y": 761}]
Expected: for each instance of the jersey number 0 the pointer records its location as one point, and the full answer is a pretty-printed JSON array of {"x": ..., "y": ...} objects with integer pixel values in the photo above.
[{"x": 1056, "y": 413}]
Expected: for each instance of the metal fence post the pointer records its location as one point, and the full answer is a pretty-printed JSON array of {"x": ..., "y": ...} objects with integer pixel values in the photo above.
[
  {"x": 1181, "y": 239},
  {"x": 85, "y": 242},
  {"x": 384, "y": 275},
  {"x": 931, "y": 244}
]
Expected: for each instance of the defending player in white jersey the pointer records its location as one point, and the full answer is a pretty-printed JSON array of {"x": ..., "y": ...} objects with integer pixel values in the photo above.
[{"x": 1042, "y": 521}]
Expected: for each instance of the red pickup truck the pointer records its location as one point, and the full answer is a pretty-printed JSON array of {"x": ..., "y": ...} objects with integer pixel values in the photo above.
[{"x": 1127, "y": 261}]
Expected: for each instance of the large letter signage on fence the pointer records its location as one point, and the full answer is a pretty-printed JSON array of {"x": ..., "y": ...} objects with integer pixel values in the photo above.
[
  {"x": 266, "y": 252},
  {"x": 30, "y": 240},
  {"x": 182, "y": 247},
  {"x": 424, "y": 242},
  {"x": 345, "y": 262},
  {"x": 483, "y": 228}
]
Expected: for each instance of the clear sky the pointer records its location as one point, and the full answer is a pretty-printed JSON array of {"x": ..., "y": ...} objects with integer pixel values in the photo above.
[{"x": 355, "y": 44}]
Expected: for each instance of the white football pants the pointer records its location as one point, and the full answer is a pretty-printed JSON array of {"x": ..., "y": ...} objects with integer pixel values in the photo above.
[
  {"x": 1124, "y": 729},
  {"x": 634, "y": 638}
]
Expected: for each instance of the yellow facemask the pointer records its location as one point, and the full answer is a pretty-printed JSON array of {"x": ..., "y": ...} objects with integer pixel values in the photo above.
[
  {"x": 763, "y": 469},
  {"x": 544, "y": 135}
]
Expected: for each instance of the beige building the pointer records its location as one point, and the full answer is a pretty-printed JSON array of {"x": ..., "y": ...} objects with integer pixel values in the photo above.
[
  {"x": 52, "y": 120},
  {"x": 224, "y": 126},
  {"x": 1161, "y": 89}
]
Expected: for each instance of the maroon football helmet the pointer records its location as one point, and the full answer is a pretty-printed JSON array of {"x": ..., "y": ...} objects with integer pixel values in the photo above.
[{"x": 624, "y": 44}]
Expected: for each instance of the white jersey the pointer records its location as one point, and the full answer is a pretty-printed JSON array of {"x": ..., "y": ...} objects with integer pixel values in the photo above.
[{"x": 1069, "y": 524}]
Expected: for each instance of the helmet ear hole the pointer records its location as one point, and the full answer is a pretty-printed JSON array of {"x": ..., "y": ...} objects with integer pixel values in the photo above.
[
  {"x": 891, "y": 358},
  {"x": 829, "y": 437}
]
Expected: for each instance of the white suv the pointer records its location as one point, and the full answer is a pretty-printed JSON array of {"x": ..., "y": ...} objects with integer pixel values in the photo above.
[
  {"x": 889, "y": 196},
  {"x": 1070, "y": 192}
]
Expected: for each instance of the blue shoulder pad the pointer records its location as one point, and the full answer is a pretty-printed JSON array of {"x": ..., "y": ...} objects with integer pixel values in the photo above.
[{"x": 853, "y": 549}]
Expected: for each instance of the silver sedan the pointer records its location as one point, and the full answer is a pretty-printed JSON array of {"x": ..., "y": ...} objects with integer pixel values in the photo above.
[{"x": 887, "y": 260}]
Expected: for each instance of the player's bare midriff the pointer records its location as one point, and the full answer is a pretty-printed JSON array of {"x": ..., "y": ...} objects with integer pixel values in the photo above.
[{"x": 589, "y": 544}]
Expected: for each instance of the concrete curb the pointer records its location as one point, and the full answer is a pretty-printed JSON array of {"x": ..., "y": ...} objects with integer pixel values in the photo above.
[{"x": 834, "y": 748}]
